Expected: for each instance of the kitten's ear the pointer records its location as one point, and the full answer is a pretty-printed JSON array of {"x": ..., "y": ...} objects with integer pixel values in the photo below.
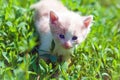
[
  {"x": 88, "y": 21},
  {"x": 53, "y": 17}
]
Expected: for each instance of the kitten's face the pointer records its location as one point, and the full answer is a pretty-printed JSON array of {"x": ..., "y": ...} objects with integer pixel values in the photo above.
[{"x": 68, "y": 31}]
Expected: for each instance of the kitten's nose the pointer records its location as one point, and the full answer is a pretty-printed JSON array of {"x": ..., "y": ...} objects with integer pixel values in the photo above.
[{"x": 67, "y": 45}]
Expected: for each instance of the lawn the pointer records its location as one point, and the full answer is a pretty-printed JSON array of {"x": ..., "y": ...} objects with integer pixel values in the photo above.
[{"x": 97, "y": 58}]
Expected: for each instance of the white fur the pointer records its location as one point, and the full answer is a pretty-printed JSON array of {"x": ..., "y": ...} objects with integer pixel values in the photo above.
[{"x": 65, "y": 16}]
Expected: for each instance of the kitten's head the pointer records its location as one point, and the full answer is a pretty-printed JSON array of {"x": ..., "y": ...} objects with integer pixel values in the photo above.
[{"x": 69, "y": 29}]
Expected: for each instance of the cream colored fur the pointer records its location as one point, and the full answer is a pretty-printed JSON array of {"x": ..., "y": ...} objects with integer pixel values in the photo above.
[{"x": 73, "y": 23}]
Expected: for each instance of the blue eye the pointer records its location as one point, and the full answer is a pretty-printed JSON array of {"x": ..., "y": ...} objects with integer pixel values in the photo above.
[
  {"x": 61, "y": 36},
  {"x": 74, "y": 38}
]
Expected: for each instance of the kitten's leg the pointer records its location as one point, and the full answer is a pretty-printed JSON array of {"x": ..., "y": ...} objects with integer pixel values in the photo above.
[{"x": 45, "y": 39}]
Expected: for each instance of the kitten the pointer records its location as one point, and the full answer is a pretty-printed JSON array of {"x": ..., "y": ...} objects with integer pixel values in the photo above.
[{"x": 55, "y": 22}]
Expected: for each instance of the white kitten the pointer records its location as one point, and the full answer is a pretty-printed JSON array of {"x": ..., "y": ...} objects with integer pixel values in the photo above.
[{"x": 66, "y": 28}]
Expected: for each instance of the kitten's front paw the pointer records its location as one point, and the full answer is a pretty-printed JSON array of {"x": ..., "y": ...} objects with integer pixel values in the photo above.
[{"x": 62, "y": 58}]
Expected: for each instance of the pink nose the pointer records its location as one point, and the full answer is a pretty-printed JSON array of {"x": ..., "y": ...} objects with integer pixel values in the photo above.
[{"x": 67, "y": 45}]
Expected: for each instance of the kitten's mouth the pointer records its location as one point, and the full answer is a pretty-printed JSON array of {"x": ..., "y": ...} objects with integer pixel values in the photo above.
[{"x": 67, "y": 47}]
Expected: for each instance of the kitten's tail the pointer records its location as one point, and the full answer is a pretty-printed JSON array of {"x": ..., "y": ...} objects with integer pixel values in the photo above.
[{"x": 35, "y": 6}]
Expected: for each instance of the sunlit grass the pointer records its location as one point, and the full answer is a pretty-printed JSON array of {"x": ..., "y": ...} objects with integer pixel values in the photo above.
[{"x": 97, "y": 58}]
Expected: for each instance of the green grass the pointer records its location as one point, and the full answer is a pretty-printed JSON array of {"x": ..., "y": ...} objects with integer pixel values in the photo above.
[{"x": 97, "y": 58}]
